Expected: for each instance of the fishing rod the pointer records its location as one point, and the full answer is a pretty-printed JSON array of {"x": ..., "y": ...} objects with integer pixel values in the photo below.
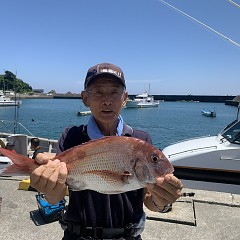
[
  {"x": 235, "y": 4},
  {"x": 201, "y": 23}
]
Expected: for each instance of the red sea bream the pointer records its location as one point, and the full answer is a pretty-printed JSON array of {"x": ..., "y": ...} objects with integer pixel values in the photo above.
[{"x": 108, "y": 165}]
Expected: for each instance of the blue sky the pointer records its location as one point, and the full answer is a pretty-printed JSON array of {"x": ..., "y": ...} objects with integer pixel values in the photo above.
[{"x": 50, "y": 44}]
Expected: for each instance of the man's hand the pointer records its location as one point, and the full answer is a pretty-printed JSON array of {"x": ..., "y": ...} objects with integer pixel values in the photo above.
[
  {"x": 43, "y": 158},
  {"x": 165, "y": 191},
  {"x": 50, "y": 179}
]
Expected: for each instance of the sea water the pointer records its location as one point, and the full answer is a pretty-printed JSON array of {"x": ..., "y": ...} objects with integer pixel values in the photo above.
[{"x": 169, "y": 123}]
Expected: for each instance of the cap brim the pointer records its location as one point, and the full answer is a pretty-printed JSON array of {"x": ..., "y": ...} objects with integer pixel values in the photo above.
[{"x": 95, "y": 77}]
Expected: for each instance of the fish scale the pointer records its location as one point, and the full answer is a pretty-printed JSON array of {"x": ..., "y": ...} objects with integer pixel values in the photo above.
[{"x": 114, "y": 163}]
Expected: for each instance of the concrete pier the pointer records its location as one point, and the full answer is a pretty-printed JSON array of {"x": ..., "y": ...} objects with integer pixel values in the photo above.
[{"x": 207, "y": 215}]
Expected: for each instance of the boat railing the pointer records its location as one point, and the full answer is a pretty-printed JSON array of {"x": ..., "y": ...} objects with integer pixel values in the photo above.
[
  {"x": 47, "y": 145},
  {"x": 17, "y": 127},
  {"x": 192, "y": 139},
  {"x": 21, "y": 137},
  {"x": 193, "y": 150}
]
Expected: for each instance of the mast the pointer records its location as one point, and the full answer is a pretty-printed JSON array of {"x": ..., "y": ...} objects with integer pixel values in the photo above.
[{"x": 15, "y": 106}]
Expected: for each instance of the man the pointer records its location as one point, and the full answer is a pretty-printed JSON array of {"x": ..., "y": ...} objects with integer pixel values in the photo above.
[
  {"x": 91, "y": 214},
  {"x": 35, "y": 142},
  {"x": 10, "y": 146}
]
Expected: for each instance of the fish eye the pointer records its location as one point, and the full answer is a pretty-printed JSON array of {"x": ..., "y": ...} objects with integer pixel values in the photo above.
[{"x": 154, "y": 158}]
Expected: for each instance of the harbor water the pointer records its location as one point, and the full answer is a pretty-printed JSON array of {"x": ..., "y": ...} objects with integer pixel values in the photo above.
[{"x": 169, "y": 123}]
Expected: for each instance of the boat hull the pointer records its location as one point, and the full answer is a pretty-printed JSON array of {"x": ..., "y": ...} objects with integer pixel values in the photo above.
[
  {"x": 7, "y": 101},
  {"x": 83, "y": 113},
  {"x": 208, "y": 113},
  {"x": 10, "y": 103},
  {"x": 142, "y": 101},
  {"x": 207, "y": 163},
  {"x": 4, "y": 162},
  {"x": 133, "y": 104}
]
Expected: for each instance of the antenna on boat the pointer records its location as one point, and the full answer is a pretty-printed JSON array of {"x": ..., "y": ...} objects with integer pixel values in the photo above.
[
  {"x": 237, "y": 100},
  {"x": 201, "y": 23},
  {"x": 238, "y": 110}
]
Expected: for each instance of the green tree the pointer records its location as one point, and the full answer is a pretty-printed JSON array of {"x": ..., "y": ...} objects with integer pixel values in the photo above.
[
  {"x": 8, "y": 81},
  {"x": 9, "y": 76}
]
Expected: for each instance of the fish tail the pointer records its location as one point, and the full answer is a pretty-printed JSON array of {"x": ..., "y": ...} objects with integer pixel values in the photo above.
[{"x": 21, "y": 165}]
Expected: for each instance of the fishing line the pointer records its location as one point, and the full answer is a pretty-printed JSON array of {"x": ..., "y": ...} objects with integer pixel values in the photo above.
[
  {"x": 235, "y": 4},
  {"x": 201, "y": 23}
]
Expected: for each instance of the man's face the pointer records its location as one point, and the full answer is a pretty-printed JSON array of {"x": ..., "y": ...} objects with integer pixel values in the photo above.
[{"x": 105, "y": 97}]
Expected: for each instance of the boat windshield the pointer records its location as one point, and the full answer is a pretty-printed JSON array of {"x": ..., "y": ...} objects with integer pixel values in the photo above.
[{"x": 232, "y": 132}]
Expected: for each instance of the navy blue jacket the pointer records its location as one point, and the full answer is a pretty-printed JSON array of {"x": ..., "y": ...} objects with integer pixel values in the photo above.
[{"x": 93, "y": 209}]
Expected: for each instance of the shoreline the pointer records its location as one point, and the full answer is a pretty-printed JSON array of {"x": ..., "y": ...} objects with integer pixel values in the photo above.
[{"x": 228, "y": 100}]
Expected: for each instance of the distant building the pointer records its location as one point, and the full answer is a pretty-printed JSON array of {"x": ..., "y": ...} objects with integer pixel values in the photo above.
[{"x": 38, "y": 90}]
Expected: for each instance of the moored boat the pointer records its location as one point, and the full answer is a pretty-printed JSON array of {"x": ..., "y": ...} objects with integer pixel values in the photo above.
[
  {"x": 83, "y": 113},
  {"x": 4, "y": 162},
  {"x": 209, "y": 113},
  {"x": 143, "y": 100},
  {"x": 7, "y": 101},
  {"x": 209, "y": 163}
]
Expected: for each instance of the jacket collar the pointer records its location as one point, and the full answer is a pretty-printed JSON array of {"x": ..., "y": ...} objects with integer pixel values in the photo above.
[{"x": 94, "y": 132}]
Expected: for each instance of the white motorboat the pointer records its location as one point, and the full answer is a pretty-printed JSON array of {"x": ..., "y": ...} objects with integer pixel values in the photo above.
[
  {"x": 209, "y": 163},
  {"x": 6, "y": 101},
  {"x": 208, "y": 113},
  {"x": 4, "y": 162},
  {"x": 84, "y": 113},
  {"x": 142, "y": 101}
]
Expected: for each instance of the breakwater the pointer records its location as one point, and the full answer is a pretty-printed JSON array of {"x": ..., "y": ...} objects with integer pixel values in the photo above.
[
  {"x": 192, "y": 98},
  {"x": 228, "y": 100},
  {"x": 169, "y": 98},
  {"x": 234, "y": 102}
]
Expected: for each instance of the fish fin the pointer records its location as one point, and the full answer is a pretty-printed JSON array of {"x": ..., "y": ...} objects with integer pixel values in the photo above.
[
  {"x": 76, "y": 185},
  {"x": 15, "y": 170},
  {"x": 21, "y": 164},
  {"x": 112, "y": 176}
]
